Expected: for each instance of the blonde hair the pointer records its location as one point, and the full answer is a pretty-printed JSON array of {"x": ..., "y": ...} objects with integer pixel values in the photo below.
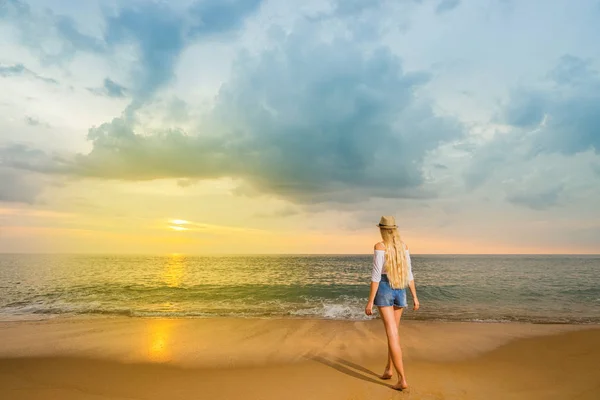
[{"x": 395, "y": 258}]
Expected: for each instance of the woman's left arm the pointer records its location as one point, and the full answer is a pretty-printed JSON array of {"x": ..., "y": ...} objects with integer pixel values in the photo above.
[
  {"x": 411, "y": 281},
  {"x": 413, "y": 291}
]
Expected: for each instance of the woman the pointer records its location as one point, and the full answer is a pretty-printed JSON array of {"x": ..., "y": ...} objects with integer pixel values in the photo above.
[{"x": 391, "y": 275}]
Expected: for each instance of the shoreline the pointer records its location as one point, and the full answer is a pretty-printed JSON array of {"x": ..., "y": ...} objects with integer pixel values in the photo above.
[
  {"x": 16, "y": 318},
  {"x": 230, "y": 358}
]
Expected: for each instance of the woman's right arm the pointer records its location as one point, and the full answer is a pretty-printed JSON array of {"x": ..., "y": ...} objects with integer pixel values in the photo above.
[{"x": 378, "y": 259}]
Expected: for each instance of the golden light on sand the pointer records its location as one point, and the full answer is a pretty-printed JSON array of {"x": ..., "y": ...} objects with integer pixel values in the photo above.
[{"x": 159, "y": 334}]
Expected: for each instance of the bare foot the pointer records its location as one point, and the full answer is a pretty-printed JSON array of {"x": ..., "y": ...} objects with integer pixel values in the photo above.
[
  {"x": 401, "y": 385},
  {"x": 387, "y": 374}
]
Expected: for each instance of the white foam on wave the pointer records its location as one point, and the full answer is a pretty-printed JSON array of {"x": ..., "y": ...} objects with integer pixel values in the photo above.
[{"x": 334, "y": 311}]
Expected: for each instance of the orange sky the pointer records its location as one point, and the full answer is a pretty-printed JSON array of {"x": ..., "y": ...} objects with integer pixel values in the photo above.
[{"x": 191, "y": 238}]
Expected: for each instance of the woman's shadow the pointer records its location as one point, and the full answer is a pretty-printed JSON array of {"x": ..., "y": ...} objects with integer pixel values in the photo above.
[{"x": 347, "y": 367}]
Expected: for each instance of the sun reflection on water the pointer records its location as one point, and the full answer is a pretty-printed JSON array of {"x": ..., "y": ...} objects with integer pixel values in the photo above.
[{"x": 174, "y": 269}]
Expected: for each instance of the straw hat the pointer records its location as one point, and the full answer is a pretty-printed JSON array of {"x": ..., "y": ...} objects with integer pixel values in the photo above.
[{"x": 387, "y": 223}]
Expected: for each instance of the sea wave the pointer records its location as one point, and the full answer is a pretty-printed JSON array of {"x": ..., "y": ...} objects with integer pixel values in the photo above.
[
  {"x": 450, "y": 288},
  {"x": 320, "y": 310}
]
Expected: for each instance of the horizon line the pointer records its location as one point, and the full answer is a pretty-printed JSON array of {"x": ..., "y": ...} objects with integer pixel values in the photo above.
[{"x": 299, "y": 254}]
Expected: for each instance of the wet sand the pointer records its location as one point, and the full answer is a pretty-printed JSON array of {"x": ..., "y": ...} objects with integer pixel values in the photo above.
[{"x": 227, "y": 358}]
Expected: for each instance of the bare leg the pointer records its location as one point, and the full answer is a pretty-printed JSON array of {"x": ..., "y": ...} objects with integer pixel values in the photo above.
[
  {"x": 391, "y": 330},
  {"x": 387, "y": 373}
]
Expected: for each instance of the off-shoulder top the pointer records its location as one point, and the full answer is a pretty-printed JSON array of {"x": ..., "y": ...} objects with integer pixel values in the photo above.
[{"x": 379, "y": 265}]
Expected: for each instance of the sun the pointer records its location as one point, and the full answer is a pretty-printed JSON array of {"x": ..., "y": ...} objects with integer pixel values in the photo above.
[{"x": 176, "y": 224}]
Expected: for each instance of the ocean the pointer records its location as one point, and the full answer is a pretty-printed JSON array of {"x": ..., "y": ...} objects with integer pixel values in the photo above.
[{"x": 494, "y": 288}]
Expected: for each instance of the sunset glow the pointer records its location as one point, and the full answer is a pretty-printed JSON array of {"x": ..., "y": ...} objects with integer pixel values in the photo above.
[{"x": 139, "y": 130}]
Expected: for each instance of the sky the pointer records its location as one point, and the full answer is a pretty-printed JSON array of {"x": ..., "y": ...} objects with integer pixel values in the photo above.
[{"x": 249, "y": 126}]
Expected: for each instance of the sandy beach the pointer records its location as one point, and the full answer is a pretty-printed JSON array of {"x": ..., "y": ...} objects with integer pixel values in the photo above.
[{"x": 226, "y": 358}]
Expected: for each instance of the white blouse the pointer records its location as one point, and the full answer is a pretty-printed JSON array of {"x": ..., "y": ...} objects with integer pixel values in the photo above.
[{"x": 379, "y": 266}]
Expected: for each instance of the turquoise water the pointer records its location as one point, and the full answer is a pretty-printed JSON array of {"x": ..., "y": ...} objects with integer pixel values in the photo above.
[{"x": 544, "y": 289}]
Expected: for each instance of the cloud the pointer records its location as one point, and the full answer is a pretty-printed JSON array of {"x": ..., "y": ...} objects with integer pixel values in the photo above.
[
  {"x": 21, "y": 70},
  {"x": 353, "y": 7},
  {"x": 349, "y": 121},
  {"x": 277, "y": 214},
  {"x": 161, "y": 33},
  {"x": 216, "y": 17},
  {"x": 365, "y": 21},
  {"x": 25, "y": 172},
  {"x": 307, "y": 120},
  {"x": 32, "y": 121},
  {"x": 565, "y": 114},
  {"x": 561, "y": 115},
  {"x": 525, "y": 109},
  {"x": 572, "y": 70},
  {"x": 54, "y": 38},
  {"x": 157, "y": 31},
  {"x": 186, "y": 182},
  {"x": 596, "y": 169},
  {"x": 488, "y": 157},
  {"x": 24, "y": 157},
  {"x": 113, "y": 89},
  {"x": 537, "y": 200},
  {"x": 446, "y": 6},
  {"x": 110, "y": 89},
  {"x": 17, "y": 186}
]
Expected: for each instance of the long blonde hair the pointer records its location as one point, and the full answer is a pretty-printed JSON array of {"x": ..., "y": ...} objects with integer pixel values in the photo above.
[{"x": 395, "y": 258}]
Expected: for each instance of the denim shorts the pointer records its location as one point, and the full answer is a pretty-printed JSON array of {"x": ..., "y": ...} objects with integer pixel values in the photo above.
[{"x": 386, "y": 296}]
